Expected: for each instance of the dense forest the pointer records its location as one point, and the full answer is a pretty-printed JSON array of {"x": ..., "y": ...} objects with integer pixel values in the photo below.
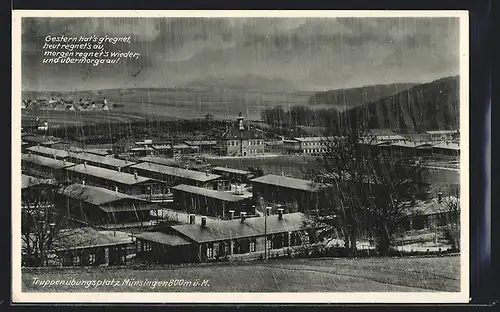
[
  {"x": 430, "y": 106},
  {"x": 343, "y": 99},
  {"x": 300, "y": 115}
]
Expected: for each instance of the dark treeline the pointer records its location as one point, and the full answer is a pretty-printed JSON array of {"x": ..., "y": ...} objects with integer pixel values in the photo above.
[
  {"x": 99, "y": 133},
  {"x": 429, "y": 106},
  {"x": 330, "y": 119}
]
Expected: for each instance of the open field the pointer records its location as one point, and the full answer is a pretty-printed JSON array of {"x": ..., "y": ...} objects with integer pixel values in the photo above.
[
  {"x": 161, "y": 103},
  {"x": 61, "y": 118},
  {"x": 294, "y": 275}
]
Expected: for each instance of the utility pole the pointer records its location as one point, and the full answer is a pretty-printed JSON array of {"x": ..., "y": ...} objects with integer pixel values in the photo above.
[
  {"x": 268, "y": 210},
  {"x": 241, "y": 128}
]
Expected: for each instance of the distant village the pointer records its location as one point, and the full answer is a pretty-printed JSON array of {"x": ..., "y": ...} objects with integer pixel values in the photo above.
[
  {"x": 66, "y": 104},
  {"x": 162, "y": 202}
]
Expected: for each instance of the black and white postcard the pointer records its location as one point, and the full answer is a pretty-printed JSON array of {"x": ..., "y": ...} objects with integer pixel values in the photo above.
[{"x": 240, "y": 156}]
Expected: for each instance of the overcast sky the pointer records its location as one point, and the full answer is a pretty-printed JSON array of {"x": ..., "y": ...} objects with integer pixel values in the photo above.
[{"x": 298, "y": 53}]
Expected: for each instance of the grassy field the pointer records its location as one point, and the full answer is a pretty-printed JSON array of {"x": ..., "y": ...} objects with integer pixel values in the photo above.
[
  {"x": 161, "y": 103},
  {"x": 61, "y": 118},
  {"x": 295, "y": 275}
]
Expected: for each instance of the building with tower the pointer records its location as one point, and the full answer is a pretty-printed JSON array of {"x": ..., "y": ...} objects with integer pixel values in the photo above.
[{"x": 241, "y": 140}]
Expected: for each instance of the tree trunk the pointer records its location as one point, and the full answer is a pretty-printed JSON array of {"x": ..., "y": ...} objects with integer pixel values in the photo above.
[
  {"x": 384, "y": 240},
  {"x": 346, "y": 239},
  {"x": 354, "y": 236},
  {"x": 41, "y": 250}
]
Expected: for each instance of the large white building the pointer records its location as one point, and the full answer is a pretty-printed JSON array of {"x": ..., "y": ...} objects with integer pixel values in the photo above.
[
  {"x": 312, "y": 145},
  {"x": 443, "y": 135},
  {"x": 241, "y": 140}
]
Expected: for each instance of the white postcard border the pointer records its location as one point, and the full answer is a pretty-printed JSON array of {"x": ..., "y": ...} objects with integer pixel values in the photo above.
[{"x": 18, "y": 296}]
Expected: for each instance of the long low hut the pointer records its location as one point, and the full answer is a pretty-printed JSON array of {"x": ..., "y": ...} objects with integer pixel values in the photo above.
[
  {"x": 219, "y": 240},
  {"x": 97, "y": 205}
]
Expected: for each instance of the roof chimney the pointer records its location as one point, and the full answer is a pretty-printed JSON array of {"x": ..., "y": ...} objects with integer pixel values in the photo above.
[
  {"x": 135, "y": 175},
  {"x": 207, "y": 172},
  {"x": 83, "y": 181},
  {"x": 119, "y": 169},
  {"x": 280, "y": 213},
  {"x": 268, "y": 210},
  {"x": 192, "y": 219},
  {"x": 440, "y": 196},
  {"x": 203, "y": 221},
  {"x": 116, "y": 189},
  {"x": 85, "y": 164},
  {"x": 231, "y": 214},
  {"x": 55, "y": 157},
  {"x": 243, "y": 215}
]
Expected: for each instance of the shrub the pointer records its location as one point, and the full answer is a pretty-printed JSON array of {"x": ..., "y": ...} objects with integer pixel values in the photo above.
[{"x": 452, "y": 235}]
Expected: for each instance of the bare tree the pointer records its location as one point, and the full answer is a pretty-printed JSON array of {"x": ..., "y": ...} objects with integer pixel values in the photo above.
[
  {"x": 393, "y": 188},
  {"x": 44, "y": 228},
  {"x": 41, "y": 224},
  {"x": 451, "y": 206},
  {"x": 367, "y": 192},
  {"x": 340, "y": 175}
]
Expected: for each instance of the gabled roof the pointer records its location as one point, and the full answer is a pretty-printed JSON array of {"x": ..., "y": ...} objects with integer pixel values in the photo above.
[
  {"x": 442, "y": 132},
  {"x": 231, "y": 170},
  {"x": 98, "y": 196},
  {"x": 175, "y": 146},
  {"x": 163, "y": 238},
  {"x": 176, "y": 172},
  {"x": 28, "y": 181},
  {"x": 373, "y": 141},
  {"x": 141, "y": 149},
  {"x": 145, "y": 142},
  {"x": 42, "y": 139},
  {"x": 449, "y": 146},
  {"x": 159, "y": 160},
  {"x": 292, "y": 183},
  {"x": 108, "y": 174},
  {"x": 389, "y": 137},
  {"x": 50, "y": 152},
  {"x": 96, "y": 151},
  {"x": 248, "y": 134},
  {"x": 217, "y": 230},
  {"x": 46, "y": 161},
  {"x": 225, "y": 196},
  {"x": 202, "y": 142},
  {"x": 82, "y": 238},
  {"x": 110, "y": 161},
  {"x": 185, "y": 146},
  {"x": 313, "y": 139},
  {"x": 162, "y": 146},
  {"x": 411, "y": 144}
]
